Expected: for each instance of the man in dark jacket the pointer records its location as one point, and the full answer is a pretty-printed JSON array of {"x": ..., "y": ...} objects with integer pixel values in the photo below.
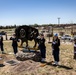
[
  {"x": 1, "y": 44},
  {"x": 14, "y": 43},
  {"x": 42, "y": 47},
  {"x": 55, "y": 48}
]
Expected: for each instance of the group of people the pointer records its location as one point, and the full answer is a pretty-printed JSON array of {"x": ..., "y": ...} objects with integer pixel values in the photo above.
[
  {"x": 14, "y": 44},
  {"x": 55, "y": 48},
  {"x": 41, "y": 44}
]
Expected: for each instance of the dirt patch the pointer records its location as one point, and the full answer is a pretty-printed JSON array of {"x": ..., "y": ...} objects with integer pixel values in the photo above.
[{"x": 28, "y": 65}]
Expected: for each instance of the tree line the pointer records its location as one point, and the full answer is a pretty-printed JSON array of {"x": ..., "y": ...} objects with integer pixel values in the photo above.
[{"x": 37, "y": 25}]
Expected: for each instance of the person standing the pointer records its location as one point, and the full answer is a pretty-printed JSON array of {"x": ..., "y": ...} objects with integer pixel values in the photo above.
[
  {"x": 42, "y": 47},
  {"x": 14, "y": 43},
  {"x": 1, "y": 44},
  {"x": 55, "y": 48},
  {"x": 75, "y": 48}
]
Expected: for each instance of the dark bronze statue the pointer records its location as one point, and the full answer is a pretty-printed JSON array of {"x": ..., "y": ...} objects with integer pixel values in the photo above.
[{"x": 26, "y": 33}]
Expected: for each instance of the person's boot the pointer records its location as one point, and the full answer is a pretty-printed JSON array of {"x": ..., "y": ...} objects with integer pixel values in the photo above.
[
  {"x": 43, "y": 60},
  {"x": 55, "y": 63}
]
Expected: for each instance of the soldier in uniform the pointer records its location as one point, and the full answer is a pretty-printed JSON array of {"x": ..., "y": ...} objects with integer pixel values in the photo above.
[
  {"x": 75, "y": 48},
  {"x": 14, "y": 43},
  {"x": 1, "y": 44},
  {"x": 42, "y": 47},
  {"x": 55, "y": 48}
]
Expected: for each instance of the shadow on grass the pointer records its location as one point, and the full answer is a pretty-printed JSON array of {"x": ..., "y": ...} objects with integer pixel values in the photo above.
[
  {"x": 66, "y": 67},
  {"x": 1, "y": 65},
  {"x": 59, "y": 66}
]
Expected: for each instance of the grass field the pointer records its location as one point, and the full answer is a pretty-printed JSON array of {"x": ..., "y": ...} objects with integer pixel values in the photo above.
[{"x": 67, "y": 63}]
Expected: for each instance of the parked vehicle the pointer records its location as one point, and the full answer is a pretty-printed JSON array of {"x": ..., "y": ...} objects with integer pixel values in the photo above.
[{"x": 66, "y": 37}]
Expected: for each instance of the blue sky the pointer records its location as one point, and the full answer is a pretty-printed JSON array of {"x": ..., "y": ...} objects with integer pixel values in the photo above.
[{"x": 37, "y": 11}]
